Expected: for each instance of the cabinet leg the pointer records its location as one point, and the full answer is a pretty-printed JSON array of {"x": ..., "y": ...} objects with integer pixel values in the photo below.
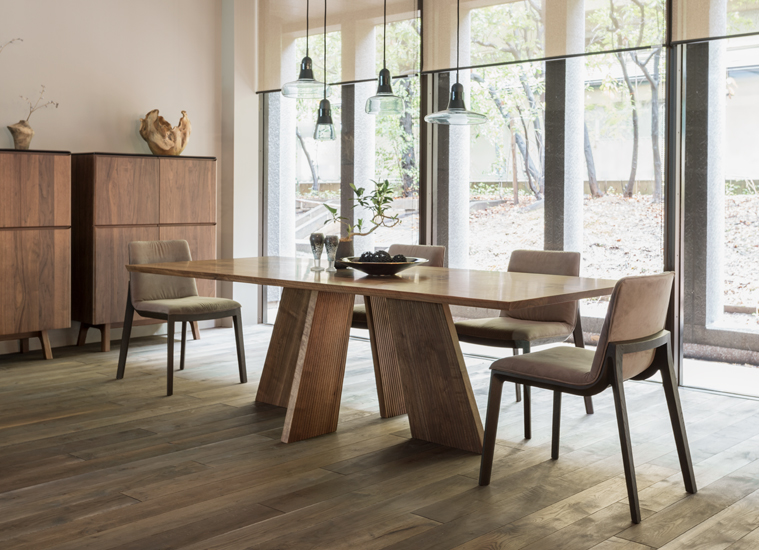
[
  {"x": 45, "y": 342},
  {"x": 195, "y": 330},
  {"x": 105, "y": 337},
  {"x": 24, "y": 345},
  {"x": 83, "y": 328}
]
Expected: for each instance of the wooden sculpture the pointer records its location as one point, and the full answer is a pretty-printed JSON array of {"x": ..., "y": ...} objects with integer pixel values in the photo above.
[{"x": 162, "y": 139}]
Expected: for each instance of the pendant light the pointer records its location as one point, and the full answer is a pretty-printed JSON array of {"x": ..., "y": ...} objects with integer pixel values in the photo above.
[
  {"x": 325, "y": 130},
  {"x": 306, "y": 87},
  {"x": 456, "y": 114},
  {"x": 385, "y": 102}
]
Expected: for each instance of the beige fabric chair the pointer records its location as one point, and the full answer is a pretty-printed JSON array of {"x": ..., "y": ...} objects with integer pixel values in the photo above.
[
  {"x": 633, "y": 344},
  {"x": 435, "y": 256},
  {"x": 172, "y": 299},
  {"x": 522, "y": 328}
]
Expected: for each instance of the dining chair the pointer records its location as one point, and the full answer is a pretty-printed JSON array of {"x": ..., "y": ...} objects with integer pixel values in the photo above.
[
  {"x": 172, "y": 299},
  {"x": 435, "y": 256},
  {"x": 633, "y": 344},
  {"x": 521, "y": 329}
]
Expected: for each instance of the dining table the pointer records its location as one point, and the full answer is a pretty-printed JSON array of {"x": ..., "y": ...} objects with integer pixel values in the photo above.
[{"x": 419, "y": 366}]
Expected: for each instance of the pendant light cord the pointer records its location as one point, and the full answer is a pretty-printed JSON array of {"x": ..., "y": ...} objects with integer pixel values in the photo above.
[
  {"x": 458, "y": 31},
  {"x": 307, "y": 2},
  {"x": 384, "y": 37},
  {"x": 325, "y": 49}
]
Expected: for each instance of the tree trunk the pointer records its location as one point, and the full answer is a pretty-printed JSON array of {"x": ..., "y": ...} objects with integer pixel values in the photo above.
[
  {"x": 655, "y": 129},
  {"x": 515, "y": 180},
  {"x": 314, "y": 174},
  {"x": 595, "y": 191},
  {"x": 408, "y": 158},
  {"x": 628, "y": 191},
  {"x": 532, "y": 171}
]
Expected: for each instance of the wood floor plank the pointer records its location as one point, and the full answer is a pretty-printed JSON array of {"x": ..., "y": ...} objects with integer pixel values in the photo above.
[{"x": 88, "y": 462}]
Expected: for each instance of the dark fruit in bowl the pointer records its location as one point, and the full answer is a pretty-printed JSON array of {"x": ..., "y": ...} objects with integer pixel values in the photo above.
[{"x": 381, "y": 256}]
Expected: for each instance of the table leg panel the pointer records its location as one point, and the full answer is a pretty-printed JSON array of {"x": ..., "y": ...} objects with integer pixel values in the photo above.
[
  {"x": 317, "y": 383},
  {"x": 295, "y": 308},
  {"x": 438, "y": 395},
  {"x": 386, "y": 371}
]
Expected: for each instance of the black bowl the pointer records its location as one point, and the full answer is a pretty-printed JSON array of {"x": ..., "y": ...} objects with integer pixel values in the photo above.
[{"x": 381, "y": 268}]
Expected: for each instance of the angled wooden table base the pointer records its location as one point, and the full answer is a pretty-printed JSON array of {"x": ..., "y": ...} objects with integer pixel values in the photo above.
[
  {"x": 305, "y": 363},
  {"x": 419, "y": 366}
]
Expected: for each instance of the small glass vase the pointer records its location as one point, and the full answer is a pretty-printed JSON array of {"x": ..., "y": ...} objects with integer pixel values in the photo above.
[
  {"x": 317, "y": 246},
  {"x": 331, "y": 242}
]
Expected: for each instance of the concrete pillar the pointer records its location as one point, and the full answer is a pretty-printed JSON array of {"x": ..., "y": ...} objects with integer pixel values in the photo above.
[
  {"x": 358, "y": 128},
  {"x": 280, "y": 169},
  {"x": 239, "y": 223},
  {"x": 453, "y": 150},
  {"x": 564, "y": 119},
  {"x": 703, "y": 177}
]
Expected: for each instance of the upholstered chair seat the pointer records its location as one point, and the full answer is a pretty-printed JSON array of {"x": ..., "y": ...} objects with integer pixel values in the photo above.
[
  {"x": 189, "y": 305},
  {"x": 633, "y": 344},
  {"x": 173, "y": 299},
  {"x": 508, "y": 329}
]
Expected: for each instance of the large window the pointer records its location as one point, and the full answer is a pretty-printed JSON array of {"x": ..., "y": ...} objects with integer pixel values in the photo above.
[{"x": 573, "y": 156}]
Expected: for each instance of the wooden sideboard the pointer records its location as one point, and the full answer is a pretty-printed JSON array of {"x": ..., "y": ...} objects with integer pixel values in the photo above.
[
  {"x": 35, "y": 245},
  {"x": 117, "y": 199}
]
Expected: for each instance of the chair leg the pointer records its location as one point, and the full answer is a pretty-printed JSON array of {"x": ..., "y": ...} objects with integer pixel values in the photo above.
[
  {"x": 184, "y": 342},
  {"x": 588, "y": 404},
  {"x": 491, "y": 427},
  {"x": 678, "y": 424},
  {"x": 556, "y": 430},
  {"x": 237, "y": 320},
  {"x": 126, "y": 331},
  {"x": 170, "y": 359},
  {"x": 517, "y": 387},
  {"x": 527, "y": 412},
  {"x": 625, "y": 441}
]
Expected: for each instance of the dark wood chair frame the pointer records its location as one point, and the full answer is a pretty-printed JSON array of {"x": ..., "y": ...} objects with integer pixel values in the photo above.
[
  {"x": 610, "y": 376},
  {"x": 524, "y": 346},
  {"x": 184, "y": 319}
]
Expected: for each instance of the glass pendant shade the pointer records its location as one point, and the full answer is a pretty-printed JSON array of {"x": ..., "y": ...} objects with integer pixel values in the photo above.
[
  {"x": 385, "y": 102},
  {"x": 456, "y": 114},
  {"x": 325, "y": 130},
  {"x": 306, "y": 87}
]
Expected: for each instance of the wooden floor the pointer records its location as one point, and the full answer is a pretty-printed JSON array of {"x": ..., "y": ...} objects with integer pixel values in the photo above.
[{"x": 88, "y": 462}]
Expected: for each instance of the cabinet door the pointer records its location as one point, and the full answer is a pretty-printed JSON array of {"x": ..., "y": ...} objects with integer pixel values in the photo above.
[
  {"x": 188, "y": 190},
  {"x": 36, "y": 280},
  {"x": 126, "y": 190},
  {"x": 35, "y": 190},
  {"x": 111, "y": 276},
  {"x": 202, "y": 241}
]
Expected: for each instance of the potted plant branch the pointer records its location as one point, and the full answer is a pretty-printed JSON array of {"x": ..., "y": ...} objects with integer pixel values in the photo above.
[{"x": 378, "y": 202}]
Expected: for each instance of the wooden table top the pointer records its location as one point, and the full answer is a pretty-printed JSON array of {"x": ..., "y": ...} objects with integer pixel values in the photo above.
[{"x": 463, "y": 287}]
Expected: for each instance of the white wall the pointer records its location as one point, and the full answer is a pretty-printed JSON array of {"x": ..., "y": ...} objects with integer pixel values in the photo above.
[{"x": 109, "y": 62}]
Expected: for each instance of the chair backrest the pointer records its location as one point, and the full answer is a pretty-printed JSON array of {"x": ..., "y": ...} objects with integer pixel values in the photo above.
[
  {"x": 146, "y": 286},
  {"x": 435, "y": 255},
  {"x": 547, "y": 262},
  {"x": 637, "y": 309}
]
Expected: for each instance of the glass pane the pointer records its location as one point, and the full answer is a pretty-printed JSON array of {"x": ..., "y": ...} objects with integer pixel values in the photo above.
[
  {"x": 396, "y": 141},
  {"x": 721, "y": 241},
  {"x": 623, "y": 210},
  {"x": 506, "y": 180}
]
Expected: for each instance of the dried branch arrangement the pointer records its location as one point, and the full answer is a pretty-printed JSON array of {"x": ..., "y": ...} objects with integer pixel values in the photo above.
[
  {"x": 11, "y": 41},
  {"x": 37, "y": 105}
]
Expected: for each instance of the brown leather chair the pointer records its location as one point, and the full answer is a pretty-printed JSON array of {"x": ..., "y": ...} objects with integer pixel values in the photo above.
[
  {"x": 522, "y": 328},
  {"x": 633, "y": 344},
  {"x": 435, "y": 256},
  {"x": 172, "y": 299}
]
